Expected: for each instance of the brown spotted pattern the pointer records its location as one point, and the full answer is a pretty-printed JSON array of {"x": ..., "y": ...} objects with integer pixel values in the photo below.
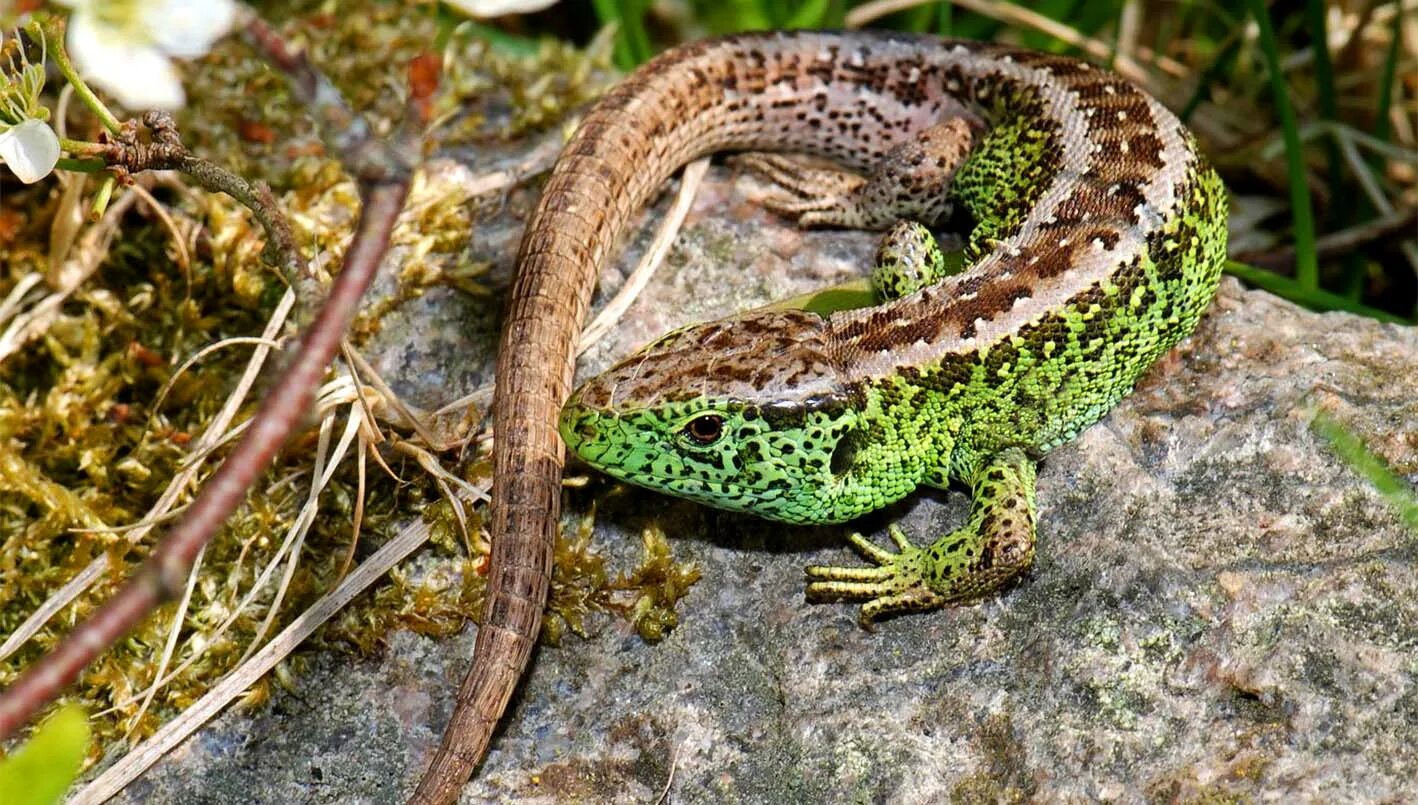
[
  {"x": 778, "y": 356},
  {"x": 850, "y": 97}
]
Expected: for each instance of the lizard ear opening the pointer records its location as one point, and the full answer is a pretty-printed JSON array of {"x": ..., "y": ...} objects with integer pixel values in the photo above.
[{"x": 844, "y": 455}]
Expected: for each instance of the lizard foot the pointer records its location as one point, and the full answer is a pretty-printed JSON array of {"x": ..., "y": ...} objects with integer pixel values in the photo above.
[
  {"x": 972, "y": 562},
  {"x": 910, "y": 181},
  {"x": 898, "y": 582},
  {"x": 810, "y": 192}
]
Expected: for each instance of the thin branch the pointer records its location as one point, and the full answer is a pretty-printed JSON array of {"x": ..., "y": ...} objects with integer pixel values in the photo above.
[
  {"x": 1334, "y": 244},
  {"x": 231, "y": 686},
  {"x": 128, "y": 154},
  {"x": 383, "y": 175}
]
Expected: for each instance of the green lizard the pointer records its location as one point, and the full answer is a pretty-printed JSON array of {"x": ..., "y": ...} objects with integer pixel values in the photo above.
[{"x": 1098, "y": 237}]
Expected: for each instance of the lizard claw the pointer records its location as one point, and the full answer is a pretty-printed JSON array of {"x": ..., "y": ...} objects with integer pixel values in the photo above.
[
  {"x": 896, "y": 584},
  {"x": 807, "y": 193}
]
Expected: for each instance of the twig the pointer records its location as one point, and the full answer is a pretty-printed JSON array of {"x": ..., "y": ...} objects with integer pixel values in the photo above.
[
  {"x": 321, "y": 474},
  {"x": 235, "y": 683},
  {"x": 126, "y": 153},
  {"x": 383, "y": 175},
  {"x": 1337, "y": 243}
]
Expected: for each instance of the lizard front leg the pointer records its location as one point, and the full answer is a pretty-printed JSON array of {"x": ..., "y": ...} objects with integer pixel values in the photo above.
[
  {"x": 970, "y": 563},
  {"x": 910, "y": 182}
]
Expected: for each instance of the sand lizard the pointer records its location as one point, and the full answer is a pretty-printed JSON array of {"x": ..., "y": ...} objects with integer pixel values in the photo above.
[{"x": 1098, "y": 237}]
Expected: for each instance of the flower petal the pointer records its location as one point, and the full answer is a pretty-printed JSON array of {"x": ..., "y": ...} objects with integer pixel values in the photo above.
[
  {"x": 137, "y": 74},
  {"x": 498, "y": 8},
  {"x": 187, "y": 28},
  {"x": 31, "y": 149}
]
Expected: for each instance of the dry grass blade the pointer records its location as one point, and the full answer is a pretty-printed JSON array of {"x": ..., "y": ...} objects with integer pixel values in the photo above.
[
  {"x": 233, "y": 684},
  {"x": 199, "y": 355},
  {"x": 333, "y": 394},
  {"x": 16, "y": 298},
  {"x": 183, "y": 258},
  {"x": 324, "y": 470},
  {"x": 164, "y": 507},
  {"x": 93, "y": 247},
  {"x": 654, "y": 256},
  {"x": 171, "y": 645}
]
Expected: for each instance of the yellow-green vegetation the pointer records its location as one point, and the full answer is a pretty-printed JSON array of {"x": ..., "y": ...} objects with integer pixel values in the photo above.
[
  {"x": 1352, "y": 450},
  {"x": 86, "y": 450},
  {"x": 646, "y": 595},
  {"x": 40, "y": 771}
]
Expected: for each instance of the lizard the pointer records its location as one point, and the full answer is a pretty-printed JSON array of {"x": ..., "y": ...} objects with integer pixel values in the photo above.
[{"x": 1098, "y": 237}]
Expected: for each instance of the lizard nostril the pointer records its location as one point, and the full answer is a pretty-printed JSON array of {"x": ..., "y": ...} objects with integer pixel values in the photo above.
[{"x": 586, "y": 430}]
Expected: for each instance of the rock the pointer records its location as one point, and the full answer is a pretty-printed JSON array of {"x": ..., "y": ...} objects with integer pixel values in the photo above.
[{"x": 1220, "y": 608}]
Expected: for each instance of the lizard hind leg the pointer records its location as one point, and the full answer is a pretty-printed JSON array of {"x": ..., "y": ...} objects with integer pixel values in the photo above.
[
  {"x": 972, "y": 562},
  {"x": 911, "y": 181}
]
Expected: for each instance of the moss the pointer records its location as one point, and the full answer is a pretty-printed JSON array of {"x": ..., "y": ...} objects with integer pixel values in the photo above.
[
  {"x": 1005, "y": 776},
  {"x": 85, "y": 447},
  {"x": 646, "y": 595}
]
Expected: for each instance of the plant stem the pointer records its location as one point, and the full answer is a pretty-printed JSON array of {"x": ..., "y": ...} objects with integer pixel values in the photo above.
[
  {"x": 81, "y": 148},
  {"x": 1307, "y": 269},
  {"x": 54, "y": 30}
]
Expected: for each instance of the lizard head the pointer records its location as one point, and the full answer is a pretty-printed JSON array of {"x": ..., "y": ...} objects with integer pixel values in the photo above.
[{"x": 748, "y": 413}]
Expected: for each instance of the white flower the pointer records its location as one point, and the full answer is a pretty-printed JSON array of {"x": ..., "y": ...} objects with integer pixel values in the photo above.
[
  {"x": 31, "y": 149},
  {"x": 498, "y": 8},
  {"x": 124, "y": 47}
]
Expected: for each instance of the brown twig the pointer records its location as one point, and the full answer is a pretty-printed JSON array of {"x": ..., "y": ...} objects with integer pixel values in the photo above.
[
  {"x": 162, "y": 576},
  {"x": 1337, "y": 243},
  {"x": 383, "y": 174},
  {"x": 127, "y": 154}
]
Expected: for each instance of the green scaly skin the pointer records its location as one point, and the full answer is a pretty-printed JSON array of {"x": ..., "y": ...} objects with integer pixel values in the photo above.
[{"x": 806, "y": 419}]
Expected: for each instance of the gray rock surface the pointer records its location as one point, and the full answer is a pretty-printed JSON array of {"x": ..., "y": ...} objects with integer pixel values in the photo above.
[{"x": 1220, "y": 610}]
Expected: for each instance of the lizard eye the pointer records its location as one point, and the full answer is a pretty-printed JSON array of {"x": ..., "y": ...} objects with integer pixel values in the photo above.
[{"x": 705, "y": 429}]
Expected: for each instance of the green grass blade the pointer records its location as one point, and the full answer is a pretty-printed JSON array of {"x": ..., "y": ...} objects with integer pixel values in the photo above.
[
  {"x": 632, "y": 45},
  {"x": 40, "y": 771},
  {"x": 1307, "y": 268},
  {"x": 1313, "y": 298},
  {"x": 811, "y": 14},
  {"x": 1370, "y": 466},
  {"x": 1219, "y": 65},
  {"x": 1385, "y": 100},
  {"x": 633, "y": 26},
  {"x": 1324, "y": 86}
]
